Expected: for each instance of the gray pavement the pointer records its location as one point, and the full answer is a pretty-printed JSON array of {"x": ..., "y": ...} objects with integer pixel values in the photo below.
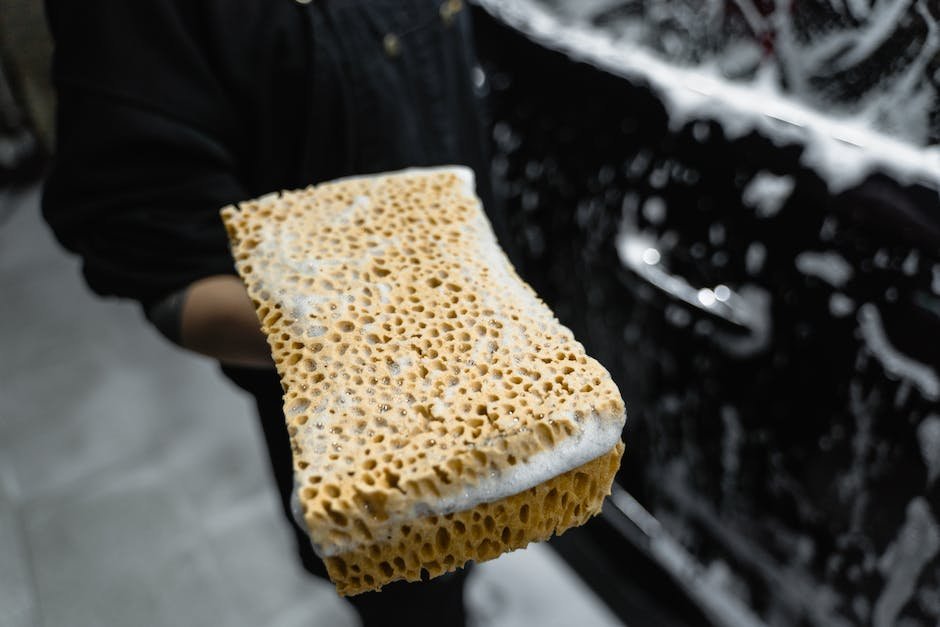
[{"x": 134, "y": 489}]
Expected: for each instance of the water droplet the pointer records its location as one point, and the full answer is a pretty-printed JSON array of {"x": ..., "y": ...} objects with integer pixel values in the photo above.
[{"x": 651, "y": 256}]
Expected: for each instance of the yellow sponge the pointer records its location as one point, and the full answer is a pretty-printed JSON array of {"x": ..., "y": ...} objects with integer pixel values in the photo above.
[{"x": 438, "y": 411}]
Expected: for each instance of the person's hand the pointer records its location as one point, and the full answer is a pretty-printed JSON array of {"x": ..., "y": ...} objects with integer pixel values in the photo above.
[{"x": 218, "y": 320}]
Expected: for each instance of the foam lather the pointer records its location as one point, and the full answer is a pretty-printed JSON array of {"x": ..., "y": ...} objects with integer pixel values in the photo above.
[{"x": 438, "y": 411}]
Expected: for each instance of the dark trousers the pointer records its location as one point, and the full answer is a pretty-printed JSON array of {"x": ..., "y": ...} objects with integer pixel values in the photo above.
[{"x": 435, "y": 602}]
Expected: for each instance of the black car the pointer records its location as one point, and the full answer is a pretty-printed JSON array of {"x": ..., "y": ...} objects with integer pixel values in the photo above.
[{"x": 762, "y": 279}]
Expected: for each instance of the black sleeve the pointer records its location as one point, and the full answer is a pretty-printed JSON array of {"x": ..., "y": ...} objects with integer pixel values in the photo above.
[{"x": 144, "y": 157}]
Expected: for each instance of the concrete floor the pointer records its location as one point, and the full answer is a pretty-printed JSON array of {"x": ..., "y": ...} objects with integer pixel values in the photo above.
[{"x": 134, "y": 490}]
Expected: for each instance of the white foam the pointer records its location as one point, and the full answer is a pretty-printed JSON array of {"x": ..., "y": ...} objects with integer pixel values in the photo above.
[
  {"x": 754, "y": 258},
  {"x": 829, "y": 266},
  {"x": 462, "y": 172},
  {"x": 917, "y": 542},
  {"x": 767, "y": 193},
  {"x": 654, "y": 210},
  {"x": 598, "y": 435},
  {"x": 928, "y": 437},
  {"x": 840, "y": 305},
  {"x": 895, "y": 362},
  {"x": 842, "y": 148}
]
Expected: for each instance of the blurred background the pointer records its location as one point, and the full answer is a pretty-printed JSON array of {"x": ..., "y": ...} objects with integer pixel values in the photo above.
[{"x": 733, "y": 204}]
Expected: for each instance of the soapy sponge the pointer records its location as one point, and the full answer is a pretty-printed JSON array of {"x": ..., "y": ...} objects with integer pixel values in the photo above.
[{"x": 437, "y": 409}]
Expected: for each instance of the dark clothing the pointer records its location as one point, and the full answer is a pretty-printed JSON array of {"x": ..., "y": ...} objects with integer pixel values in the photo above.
[
  {"x": 267, "y": 388},
  {"x": 172, "y": 109}
]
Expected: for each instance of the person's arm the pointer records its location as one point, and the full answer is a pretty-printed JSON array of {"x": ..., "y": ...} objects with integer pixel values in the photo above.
[
  {"x": 147, "y": 154},
  {"x": 218, "y": 319},
  {"x": 213, "y": 316}
]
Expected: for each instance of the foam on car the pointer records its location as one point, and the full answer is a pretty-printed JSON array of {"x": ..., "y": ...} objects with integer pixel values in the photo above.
[{"x": 437, "y": 409}]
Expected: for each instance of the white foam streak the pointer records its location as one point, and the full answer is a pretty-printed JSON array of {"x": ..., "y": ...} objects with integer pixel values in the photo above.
[
  {"x": 928, "y": 437},
  {"x": 767, "y": 193},
  {"x": 895, "y": 362},
  {"x": 598, "y": 435},
  {"x": 917, "y": 543},
  {"x": 829, "y": 266},
  {"x": 843, "y": 149}
]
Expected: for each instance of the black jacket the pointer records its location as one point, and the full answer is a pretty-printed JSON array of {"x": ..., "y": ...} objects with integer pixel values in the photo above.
[{"x": 171, "y": 109}]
